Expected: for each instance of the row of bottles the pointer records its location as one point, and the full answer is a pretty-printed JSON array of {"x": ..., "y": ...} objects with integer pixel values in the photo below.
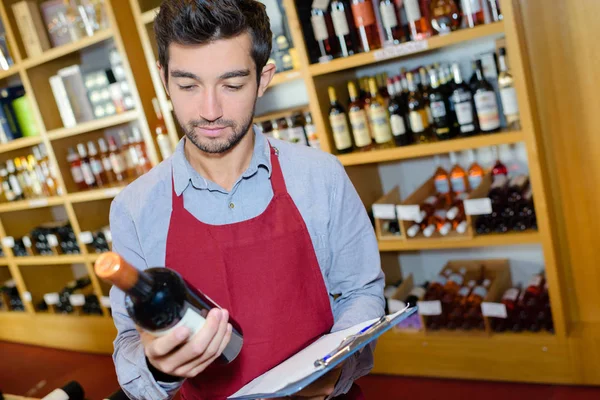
[
  {"x": 9, "y": 297},
  {"x": 432, "y": 103},
  {"x": 342, "y": 28},
  {"x": 29, "y": 177},
  {"x": 98, "y": 241},
  {"x": 52, "y": 238},
  {"x": 75, "y": 297},
  {"x": 108, "y": 164},
  {"x": 294, "y": 128}
]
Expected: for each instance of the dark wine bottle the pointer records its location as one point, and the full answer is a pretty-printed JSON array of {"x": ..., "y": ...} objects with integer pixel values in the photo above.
[
  {"x": 160, "y": 300},
  {"x": 70, "y": 391}
]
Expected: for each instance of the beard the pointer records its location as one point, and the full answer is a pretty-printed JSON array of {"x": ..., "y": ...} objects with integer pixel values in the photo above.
[{"x": 217, "y": 145}]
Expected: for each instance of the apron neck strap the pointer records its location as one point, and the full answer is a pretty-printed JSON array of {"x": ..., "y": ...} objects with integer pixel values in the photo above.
[{"x": 277, "y": 181}]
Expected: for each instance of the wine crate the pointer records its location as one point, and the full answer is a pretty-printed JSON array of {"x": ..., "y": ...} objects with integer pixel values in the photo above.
[
  {"x": 496, "y": 270},
  {"x": 384, "y": 212}
]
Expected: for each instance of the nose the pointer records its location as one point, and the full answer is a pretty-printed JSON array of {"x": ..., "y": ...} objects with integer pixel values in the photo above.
[{"x": 210, "y": 108}]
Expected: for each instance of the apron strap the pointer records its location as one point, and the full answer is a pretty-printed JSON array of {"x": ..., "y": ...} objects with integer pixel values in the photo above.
[
  {"x": 277, "y": 181},
  {"x": 177, "y": 201}
]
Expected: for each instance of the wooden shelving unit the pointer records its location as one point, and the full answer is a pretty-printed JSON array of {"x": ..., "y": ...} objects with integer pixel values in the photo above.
[
  {"x": 285, "y": 77},
  {"x": 97, "y": 124}
]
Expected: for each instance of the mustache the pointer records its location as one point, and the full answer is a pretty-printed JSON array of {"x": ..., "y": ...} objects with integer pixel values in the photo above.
[{"x": 202, "y": 123}]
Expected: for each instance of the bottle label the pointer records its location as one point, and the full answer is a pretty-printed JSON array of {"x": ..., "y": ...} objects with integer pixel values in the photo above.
[
  {"x": 296, "y": 135},
  {"x": 416, "y": 122},
  {"x": 340, "y": 22},
  {"x": 388, "y": 15},
  {"x": 438, "y": 109},
  {"x": 458, "y": 184},
  {"x": 509, "y": 101},
  {"x": 536, "y": 281},
  {"x": 87, "y": 174},
  {"x": 319, "y": 27},
  {"x": 364, "y": 15},
  {"x": 442, "y": 186},
  {"x": 106, "y": 164},
  {"x": 511, "y": 294},
  {"x": 475, "y": 6},
  {"x": 398, "y": 126},
  {"x": 457, "y": 278},
  {"x": 429, "y": 115},
  {"x": 487, "y": 110},
  {"x": 313, "y": 137},
  {"x": 413, "y": 12},
  {"x": 77, "y": 174},
  {"x": 341, "y": 131},
  {"x": 191, "y": 319},
  {"x": 475, "y": 181},
  {"x": 464, "y": 113},
  {"x": 117, "y": 164},
  {"x": 96, "y": 167},
  {"x": 360, "y": 128},
  {"x": 378, "y": 117}
]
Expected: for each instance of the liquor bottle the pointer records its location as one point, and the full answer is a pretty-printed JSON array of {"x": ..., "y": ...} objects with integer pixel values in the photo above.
[
  {"x": 86, "y": 169},
  {"x": 22, "y": 178},
  {"x": 279, "y": 129},
  {"x": 473, "y": 79},
  {"x": 397, "y": 109},
  {"x": 117, "y": 162},
  {"x": 499, "y": 170},
  {"x": 136, "y": 142},
  {"x": 417, "y": 113},
  {"x": 457, "y": 309},
  {"x": 453, "y": 284},
  {"x": 75, "y": 167},
  {"x": 318, "y": 19},
  {"x": 516, "y": 189},
  {"x": 70, "y": 391},
  {"x": 106, "y": 163},
  {"x": 416, "y": 294},
  {"x": 425, "y": 91},
  {"x": 390, "y": 19},
  {"x": 381, "y": 81},
  {"x": 359, "y": 120},
  {"x": 445, "y": 16},
  {"x": 418, "y": 23},
  {"x": 473, "y": 315},
  {"x": 508, "y": 95},
  {"x": 129, "y": 155},
  {"x": 441, "y": 115},
  {"x": 435, "y": 290},
  {"x": 311, "y": 131},
  {"x": 378, "y": 118},
  {"x": 339, "y": 124},
  {"x": 96, "y": 165},
  {"x": 475, "y": 173},
  {"x": 159, "y": 300},
  {"x": 458, "y": 176},
  {"x": 442, "y": 182},
  {"x": 495, "y": 12},
  {"x": 485, "y": 103},
  {"x": 364, "y": 88},
  {"x": 472, "y": 13},
  {"x": 366, "y": 23},
  {"x": 160, "y": 130},
  {"x": 296, "y": 130},
  {"x": 47, "y": 170},
  {"x": 509, "y": 299},
  {"x": 498, "y": 193},
  {"x": 341, "y": 16},
  {"x": 37, "y": 184}
]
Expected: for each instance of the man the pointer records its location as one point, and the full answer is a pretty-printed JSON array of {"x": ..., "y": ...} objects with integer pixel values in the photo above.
[{"x": 273, "y": 232}]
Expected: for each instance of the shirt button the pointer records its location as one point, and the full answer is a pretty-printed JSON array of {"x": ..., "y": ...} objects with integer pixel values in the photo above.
[{"x": 231, "y": 205}]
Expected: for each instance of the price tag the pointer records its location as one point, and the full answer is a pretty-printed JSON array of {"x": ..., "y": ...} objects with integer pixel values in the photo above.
[
  {"x": 384, "y": 211},
  {"x": 26, "y": 241},
  {"x": 9, "y": 242},
  {"x": 77, "y": 300},
  {"x": 107, "y": 235},
  {"x": 105, "y": 301},
  {"x": 401, "y": 50},
  {"x": 430, "y": 307},
  {"x": 478, "y": 206},
  {"x": 86, "y": 237},
  {"x": 38, "y": 203},
  {"x": 112, "y": 192},
  {"x": 51, "y": 299},
  {"x": 497, "y": 310},
  {"x": 52, "y": 240},
  {"x": 27, "y": 297},
  {"x": 409, "y": 212}
]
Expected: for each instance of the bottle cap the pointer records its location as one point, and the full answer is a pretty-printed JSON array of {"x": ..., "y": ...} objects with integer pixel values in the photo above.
[
  {"x": 413, "y": 230},
  {"x": 462, "y": 227},
  {"x": 429, "y": 231},
  {"x": 111, "y": 267},
  {"x": 445, "y": 229},
  {"x": 452, "y": 213}
]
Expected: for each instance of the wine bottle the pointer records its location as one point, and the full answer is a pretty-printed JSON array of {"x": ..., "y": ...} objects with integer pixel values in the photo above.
[
  {"x": 341, "y": 15},
  {"x": 359, "y": 121},
  {"x": 445, "y": 16},
  {"x": 417, "y": 114},
  {"x": 398, "y": 114},
  {"x": 419, "y": 26},
  {"x": 391, "y": 21},
  {"x": 472, "y": 12},
  {"x": 321, "y": 31},
  {"x": 366, "y": 23},
  {"x": 508, "y": 95},
  {"x": 462, "y": 100},
  {"x": 160, "y": 129},
  {"x": 485, "y": 102},
  {"x": 339, "y": 124},
  {"x": 441, "y": 115},
  {"x": 378, "y": 118},
  {"x": 160, "y": 300},
  {"x": 70, "y": 391}
]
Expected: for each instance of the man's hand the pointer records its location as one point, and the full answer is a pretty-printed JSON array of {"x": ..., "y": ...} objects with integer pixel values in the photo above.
[
  {"x": 321, "y": 388},
  {"x": 174, "y": 355}
]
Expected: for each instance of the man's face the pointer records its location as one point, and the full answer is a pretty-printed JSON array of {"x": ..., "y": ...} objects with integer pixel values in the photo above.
[{"x": 213, "y": 88}]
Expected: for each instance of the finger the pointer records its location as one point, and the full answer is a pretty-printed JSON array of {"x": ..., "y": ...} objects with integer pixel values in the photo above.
[
  {"x": 198, "y": 369},
  {"x": 157, "y": 347},
  {"x": 226, "y": 339}
]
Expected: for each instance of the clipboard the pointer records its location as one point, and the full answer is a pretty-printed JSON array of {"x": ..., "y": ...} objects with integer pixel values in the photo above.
[{"x": 314, "y": 361}]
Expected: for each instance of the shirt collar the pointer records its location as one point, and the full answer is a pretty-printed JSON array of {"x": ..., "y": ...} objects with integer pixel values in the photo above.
[{"x": 184, "y": 174}]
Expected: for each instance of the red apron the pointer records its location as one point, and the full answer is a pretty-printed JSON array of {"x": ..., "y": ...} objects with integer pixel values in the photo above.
[{"x": 265, "y": 272}]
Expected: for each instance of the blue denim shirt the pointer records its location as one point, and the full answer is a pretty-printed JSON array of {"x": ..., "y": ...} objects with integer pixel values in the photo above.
[{"x": 340, "y": 230}]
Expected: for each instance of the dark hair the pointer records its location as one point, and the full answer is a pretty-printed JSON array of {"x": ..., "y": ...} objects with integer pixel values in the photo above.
[{"x": 189, "y": 22}]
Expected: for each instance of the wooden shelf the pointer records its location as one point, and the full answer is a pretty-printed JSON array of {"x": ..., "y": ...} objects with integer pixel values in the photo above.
[
  {"x": 429, "y": 149},
  {"x": 503, "y": 239},
  {"x": 20, "y": 143},
  {"x": 285, "y": 77},
  {"x": 50, "y": 260},
  {"x": 94, "y": 125},
  {"x": 93, "y": 257},
  {"x": 3, "y": 261},
  {"x": 31, "y": 204},
  {"x": 95, "y": 194},
  {"x": 406, "y": 49},
  {"x": 279, "y": 114},
  {"x": 60, "y": 51},
  {"x": 149, "y": 16},
  {"x": 14, "y": 69}
]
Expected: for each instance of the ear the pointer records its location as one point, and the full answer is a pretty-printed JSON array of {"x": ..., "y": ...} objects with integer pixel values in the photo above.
[
  {"x": 163, "y": 78},
  {"x": 265, "y": 78}
]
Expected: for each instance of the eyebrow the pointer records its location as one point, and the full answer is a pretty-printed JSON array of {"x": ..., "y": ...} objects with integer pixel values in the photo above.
[{"x": 227, "y": 75}]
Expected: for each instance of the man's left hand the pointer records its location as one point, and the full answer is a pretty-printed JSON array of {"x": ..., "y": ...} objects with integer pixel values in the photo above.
[{"x": 321, "y": 388}]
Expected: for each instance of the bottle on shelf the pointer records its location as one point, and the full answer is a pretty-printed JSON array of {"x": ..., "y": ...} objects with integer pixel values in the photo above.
[
  {"x": 311, "y": 131},
  {"x": 162, "y": 291},
  {"x": 475, "y": 173},
  {"x": 86, "y": 168},
  {"x": 435, "y": 291},
  {"x": 442, "y": 182},
  {"x": 71, "y": 391},
  {"x": 381, "y": 80},
  {"x": 279, "y": 130},
  {"x": 472, "y": 13},
  {"x": 378, "y": 117},
  {"x": 390, "y": 18},
  {"x": 464, "y": 107},
  {"x": 398, "y": 110},
  {"x": 499, "y": 170},
  {"x": 418, "y": 22},
  {"x": 473, "y": 315},
  {"x": 129, "y": 155},
  {"x": 136, "y": 141},
  {"x": 22, "y": 178},
  {"x": 321, "y": 29},
  {"x": 458, "y": 307},
  {"x": 458, "y": 177},
  {"x": 495, "y": 13},
  {"x": 38, "y": 184},
  {"x": 417, "y": 113},
  {"x": 509, "y": 299},
  {"x": 508, "y": 95},
  {"x": 296, "y": 132},
  {"x": 339, "y": 124},
  {"x": 341, "y": 16},
  {"x": 445, "y": 16},
  {"x": 516, "y": 189},
  {"x": 48, "y": 170},
  {"x": 366, "y": 24},
  {"x": 441, "y": 114},
  {"x": 106, "y": 162},
  {"x": 485, "y": 102},
  {"x": 96, "y": 165},
  {"x": 416, "y": 294},
  {"x": 359, "y": 120},
  {"x": 160, "y": 130},
  {"x": 117, "y": 162},
  {"x": 75, "y": 167},
  {"x": 453, "y": 284}
]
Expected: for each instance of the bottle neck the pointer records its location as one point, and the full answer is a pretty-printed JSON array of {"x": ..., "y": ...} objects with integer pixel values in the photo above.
[
  {"x": 435, "y": 83},
  {"x": 479, "y": 73},
  {"x": 143, "y": 287},
  {"x": 458, "y": 79},
  {"x": 502, "y": 62}
]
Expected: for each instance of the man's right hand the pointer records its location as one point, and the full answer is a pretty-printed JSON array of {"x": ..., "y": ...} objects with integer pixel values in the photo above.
[{"x": 175, "y": 355}]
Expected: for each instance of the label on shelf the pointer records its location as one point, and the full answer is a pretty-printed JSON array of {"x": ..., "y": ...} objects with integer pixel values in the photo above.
[
  {"x": 9, "y": 242},
  {"x": 52, "y": 240},
  {"x": 430, "y": 307},
  {"x": 51, "y": 299},
  {"x": 409, "y": 212},
  {"x": 86, "y": 237},
  {"x": 478, "y": 206},
  {"x": 27, "y": 297},
  {"x": 105, "y": 301},
  {"x": 77, "y": 300},
  {"x": 26, "y": 241},
  {"x": 496, "y": 310},
  {"x": 38, "y": 203},
  {"x": 384, "y": 211},
  {"x": 400, "y": 50},
  {"x": 112, "y": 192}
]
